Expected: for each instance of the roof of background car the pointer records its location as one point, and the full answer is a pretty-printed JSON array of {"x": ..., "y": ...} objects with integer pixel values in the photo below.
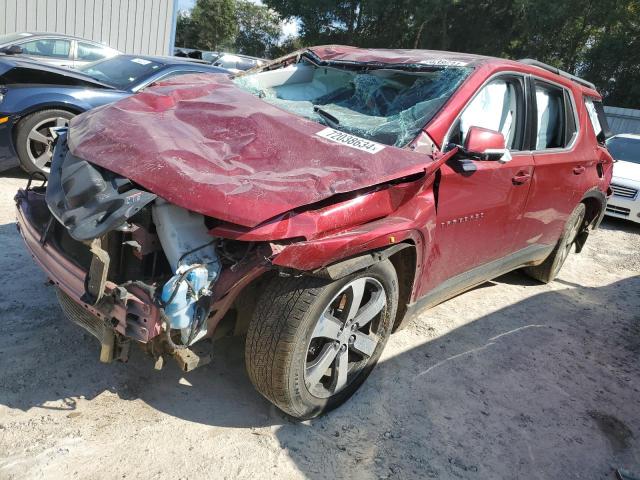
[
  {"x": 55, "y": 34},
  {"x": 344, "y": 53},
  {"x": 169, "y": 60},
  {"x": 631, "y": 136}
]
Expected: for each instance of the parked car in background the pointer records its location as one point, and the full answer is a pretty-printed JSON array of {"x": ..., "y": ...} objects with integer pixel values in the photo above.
[
  {"x": 231, "y": 61},
  {"x": 625, "y": 201},
  {"x": 55, "y": 49},
  {"x": 315, "y": 204},
  {"x": 206, "y": 55},
  {"x": 35, "y": 97},
  {"x": 236, "y": 63}
]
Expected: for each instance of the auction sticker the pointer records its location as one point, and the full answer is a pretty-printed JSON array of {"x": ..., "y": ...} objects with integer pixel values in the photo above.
[{"x": 350, "y": 140}]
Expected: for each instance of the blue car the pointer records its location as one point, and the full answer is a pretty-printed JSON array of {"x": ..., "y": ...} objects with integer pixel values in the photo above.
[{"x": 35, "y": 97}]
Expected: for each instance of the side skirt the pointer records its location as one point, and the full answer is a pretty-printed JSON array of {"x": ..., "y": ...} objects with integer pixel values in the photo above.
[{"x": 530, "y": 255}]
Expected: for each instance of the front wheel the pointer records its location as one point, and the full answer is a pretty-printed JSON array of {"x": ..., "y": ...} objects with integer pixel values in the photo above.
[{"x": 311, "y": 343}]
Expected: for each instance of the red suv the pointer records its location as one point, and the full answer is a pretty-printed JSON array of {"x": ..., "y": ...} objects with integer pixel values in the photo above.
[{"x": 314, "y": 204}]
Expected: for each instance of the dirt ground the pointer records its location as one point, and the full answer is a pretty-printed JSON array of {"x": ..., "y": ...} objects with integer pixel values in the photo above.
[{"x": 511, "y": 380}]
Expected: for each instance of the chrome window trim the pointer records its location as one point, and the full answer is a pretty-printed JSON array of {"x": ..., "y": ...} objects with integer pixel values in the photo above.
[{"x": 161, "y": 77}]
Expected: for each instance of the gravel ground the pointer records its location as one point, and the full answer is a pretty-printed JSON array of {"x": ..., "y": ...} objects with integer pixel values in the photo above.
[{"x": 511, "y": 380}]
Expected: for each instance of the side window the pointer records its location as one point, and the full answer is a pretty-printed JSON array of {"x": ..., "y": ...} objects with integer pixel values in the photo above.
[
  {"x": 91, "y": 53},
  {"x": 47, "y": 48},
  {"x": 598, "y": 118},
  {"x": 498, "y": 106},
  {"x": 556, "y": 125}
]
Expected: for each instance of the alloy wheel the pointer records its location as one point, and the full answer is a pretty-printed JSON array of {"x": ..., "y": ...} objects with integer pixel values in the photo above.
[
  {"x": 40, "y": 142},
  {"x": 344, "y": 337}
]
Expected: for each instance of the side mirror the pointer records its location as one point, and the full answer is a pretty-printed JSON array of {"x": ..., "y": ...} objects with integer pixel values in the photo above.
[
  {"x": 486, "y": 144},
  {"x": 12, "y": 50}
]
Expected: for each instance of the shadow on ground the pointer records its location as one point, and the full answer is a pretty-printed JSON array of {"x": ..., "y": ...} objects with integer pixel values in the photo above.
[
  {"x": 15, "y": 173},
  {"x": 546, "y": 385},
  {"x": 614, "y": 223}
]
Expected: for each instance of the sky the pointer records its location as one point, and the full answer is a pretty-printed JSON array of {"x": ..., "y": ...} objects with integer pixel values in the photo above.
[{"x": 289, "y": 28}]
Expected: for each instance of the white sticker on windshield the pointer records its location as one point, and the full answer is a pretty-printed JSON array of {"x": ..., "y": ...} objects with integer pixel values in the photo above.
[
  {"x": 141, "y": 61},
  {"x": 443, "y": 62},
  {"x": 350, "y": 140}
]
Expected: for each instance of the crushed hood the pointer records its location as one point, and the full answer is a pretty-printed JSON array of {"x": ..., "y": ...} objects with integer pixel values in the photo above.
[{"x": 204, "y": 144}]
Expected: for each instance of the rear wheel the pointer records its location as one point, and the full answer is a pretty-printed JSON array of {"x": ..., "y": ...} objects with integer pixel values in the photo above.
[
  {"x": 549, "y": 269},
  {"x": 34, "y": 139},
  {"x": 311, "y": 343}
]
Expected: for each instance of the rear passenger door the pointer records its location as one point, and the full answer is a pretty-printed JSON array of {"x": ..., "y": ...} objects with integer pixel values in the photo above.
[{"x": 561, "y": 163}]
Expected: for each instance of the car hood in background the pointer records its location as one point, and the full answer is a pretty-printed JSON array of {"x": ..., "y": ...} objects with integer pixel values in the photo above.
[
  {"x": 628, "y": 170},
  {"x": 204, "y": 144},
  {"x": 44, "y": 74}
]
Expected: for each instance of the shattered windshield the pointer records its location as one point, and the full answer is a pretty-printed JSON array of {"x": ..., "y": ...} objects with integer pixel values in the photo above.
[{"x": 388, "y": 106}]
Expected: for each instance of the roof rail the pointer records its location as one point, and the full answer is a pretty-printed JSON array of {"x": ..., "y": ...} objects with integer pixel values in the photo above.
[{"x": 557, "y": 71}]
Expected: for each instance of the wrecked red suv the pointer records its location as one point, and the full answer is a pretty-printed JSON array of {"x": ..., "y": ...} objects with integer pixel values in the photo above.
[{"x": 314, "y": 204}]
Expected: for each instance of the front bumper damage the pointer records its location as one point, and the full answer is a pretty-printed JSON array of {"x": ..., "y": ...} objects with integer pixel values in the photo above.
[{"x": 119, "y": 314}]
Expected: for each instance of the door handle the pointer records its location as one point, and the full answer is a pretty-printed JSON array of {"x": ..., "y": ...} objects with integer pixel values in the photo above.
[
  {"x": 521, "y": 178},
  {"x": 578, "y": 170}
]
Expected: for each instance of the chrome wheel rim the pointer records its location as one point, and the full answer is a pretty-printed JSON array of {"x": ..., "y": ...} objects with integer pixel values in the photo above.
[
  {"x": 345, "y": 337},
  {"x": 40, "y": 142}
]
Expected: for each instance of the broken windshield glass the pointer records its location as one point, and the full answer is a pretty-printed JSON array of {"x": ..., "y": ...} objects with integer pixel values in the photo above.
[{"x": 388, "y": 106}]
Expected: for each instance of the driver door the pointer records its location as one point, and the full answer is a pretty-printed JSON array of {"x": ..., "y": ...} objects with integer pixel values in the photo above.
[{"x": 482, "y": 201}]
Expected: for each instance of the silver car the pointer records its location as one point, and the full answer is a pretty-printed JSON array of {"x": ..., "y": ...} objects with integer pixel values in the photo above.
[{"x": 55, "y": 49}]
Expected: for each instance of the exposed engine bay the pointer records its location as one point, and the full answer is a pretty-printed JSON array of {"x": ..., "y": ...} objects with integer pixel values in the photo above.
[{"x": 152, "y": 267}]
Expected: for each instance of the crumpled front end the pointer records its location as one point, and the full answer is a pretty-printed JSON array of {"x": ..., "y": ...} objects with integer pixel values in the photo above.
[{"x": 129, "y": 266}]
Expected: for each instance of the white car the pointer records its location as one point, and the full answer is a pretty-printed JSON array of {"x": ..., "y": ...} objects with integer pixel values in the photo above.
[{"x": 625, "y": 201}]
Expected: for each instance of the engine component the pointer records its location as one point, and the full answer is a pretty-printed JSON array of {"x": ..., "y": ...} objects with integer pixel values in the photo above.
[
  {"x": 192, "y": 254},
  {"x": 184, "y": 238}
]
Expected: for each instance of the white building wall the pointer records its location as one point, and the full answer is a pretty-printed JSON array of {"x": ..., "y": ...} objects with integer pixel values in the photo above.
[{"x": 142, "y": 27}]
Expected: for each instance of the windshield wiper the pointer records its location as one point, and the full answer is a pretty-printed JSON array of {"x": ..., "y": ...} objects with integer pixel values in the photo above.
[{"x": 330, "y": 119}]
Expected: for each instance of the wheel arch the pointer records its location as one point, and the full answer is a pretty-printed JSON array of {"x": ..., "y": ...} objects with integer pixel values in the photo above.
[
  {"x": 404, "y": 258},
  {"x": 75, "y": 109},
  {"x": 595, "y": 203}
]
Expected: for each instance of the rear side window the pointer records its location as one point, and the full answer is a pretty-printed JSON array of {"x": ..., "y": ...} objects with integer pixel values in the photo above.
[
  {"x": 555, "y": 118},
  {"x": 91, "y": 53},
  {"x": 598, "y": 118}
]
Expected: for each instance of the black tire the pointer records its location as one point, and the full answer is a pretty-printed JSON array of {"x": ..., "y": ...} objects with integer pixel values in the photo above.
[
  {"x": 285, "y": 318},
  {"x": 548, "y": 270},
  {"x": 28, "y": 149}
]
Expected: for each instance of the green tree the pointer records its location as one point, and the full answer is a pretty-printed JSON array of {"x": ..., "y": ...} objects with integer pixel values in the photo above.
[
  {"x": 186, "y": 31},
  {"x": 598, "y": 39},
  {"x": 215, "y": 21},
  {"x": 259, "y": 29}
]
